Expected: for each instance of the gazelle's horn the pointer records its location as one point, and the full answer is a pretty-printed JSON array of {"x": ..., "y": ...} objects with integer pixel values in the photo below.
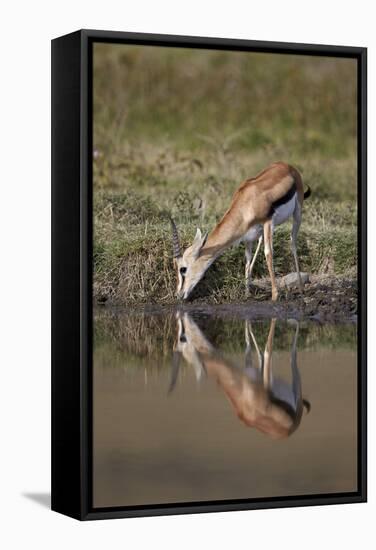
[{"x": 175, "y": 240}]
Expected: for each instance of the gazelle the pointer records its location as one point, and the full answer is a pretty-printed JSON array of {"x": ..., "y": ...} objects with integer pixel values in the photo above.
[
  {"x": 260, "y": 400},
  {"x": 258, "y": 205}
]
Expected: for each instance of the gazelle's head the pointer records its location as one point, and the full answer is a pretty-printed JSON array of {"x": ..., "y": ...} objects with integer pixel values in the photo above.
[
  {"x": 189, "y": 265},
  {"x": 192, "y": 344}
]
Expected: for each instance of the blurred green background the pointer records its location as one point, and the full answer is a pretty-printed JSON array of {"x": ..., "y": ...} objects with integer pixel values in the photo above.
[{"x": 177, "y": 130}]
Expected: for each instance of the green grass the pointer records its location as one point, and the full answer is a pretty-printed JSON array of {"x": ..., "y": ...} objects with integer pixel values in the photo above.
[
  {"x": 133, "y": 254},
  {"x": 177, "y": 130}
]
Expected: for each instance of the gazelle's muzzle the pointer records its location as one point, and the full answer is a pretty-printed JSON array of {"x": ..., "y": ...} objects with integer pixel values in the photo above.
[{"x": 182, "y": 294}]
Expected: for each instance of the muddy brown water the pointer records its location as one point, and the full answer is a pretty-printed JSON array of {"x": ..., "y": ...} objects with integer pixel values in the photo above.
[{"x": 217, "y": 419}]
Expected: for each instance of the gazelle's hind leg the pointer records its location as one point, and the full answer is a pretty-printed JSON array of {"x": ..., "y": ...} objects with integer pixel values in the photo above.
[
  {"x": 250, "y": 261},
  {"x": 296, "y": 382},
  {"x": 297, "y": 218},
  {"x": 268, "y": 374},
  {"x": 268, "y": 249}
]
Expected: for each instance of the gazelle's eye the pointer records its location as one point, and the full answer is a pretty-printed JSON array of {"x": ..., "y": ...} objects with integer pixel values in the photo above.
[
  {"x": 183, "y": 338},
  {"x": 183, "y": 270}
]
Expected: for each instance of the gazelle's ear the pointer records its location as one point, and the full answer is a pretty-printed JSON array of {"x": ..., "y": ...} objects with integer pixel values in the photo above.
[
  {"x": 198, "y": 235},
  {"x": 198, "y": 242}
]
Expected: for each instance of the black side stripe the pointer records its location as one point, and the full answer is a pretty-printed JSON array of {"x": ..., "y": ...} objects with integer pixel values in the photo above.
[{"x": 282, "y": 200}]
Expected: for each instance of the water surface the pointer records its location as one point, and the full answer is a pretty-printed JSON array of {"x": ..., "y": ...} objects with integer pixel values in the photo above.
[{"x": 189, "y": 407}]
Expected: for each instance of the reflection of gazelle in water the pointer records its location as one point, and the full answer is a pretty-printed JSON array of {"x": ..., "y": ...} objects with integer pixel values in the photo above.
[{"x": 261, "y": 401}]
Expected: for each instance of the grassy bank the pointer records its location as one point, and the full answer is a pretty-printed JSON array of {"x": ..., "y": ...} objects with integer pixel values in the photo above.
[
  {"x": 176, "y": 131},
  {"x": 133, "y": 255}
]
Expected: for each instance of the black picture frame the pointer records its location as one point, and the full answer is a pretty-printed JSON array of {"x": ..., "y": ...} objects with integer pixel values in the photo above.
[{"x": 72, "y": 273}]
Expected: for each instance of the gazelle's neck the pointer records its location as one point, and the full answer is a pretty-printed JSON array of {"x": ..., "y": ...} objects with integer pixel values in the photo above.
[{"x": 224, "y": 234}]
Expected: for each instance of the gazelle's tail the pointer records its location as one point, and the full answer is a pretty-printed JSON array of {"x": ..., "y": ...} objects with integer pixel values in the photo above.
[{"x": 307, "y": 193}]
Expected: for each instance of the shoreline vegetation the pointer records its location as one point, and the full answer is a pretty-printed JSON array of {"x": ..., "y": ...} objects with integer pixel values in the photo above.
[
  {"x": 150, "y": 335},
  {"x": 177, "y": 131}
]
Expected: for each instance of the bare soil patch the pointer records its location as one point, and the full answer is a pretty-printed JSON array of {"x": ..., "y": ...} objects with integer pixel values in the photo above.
[{"x": 326, "y": 299}]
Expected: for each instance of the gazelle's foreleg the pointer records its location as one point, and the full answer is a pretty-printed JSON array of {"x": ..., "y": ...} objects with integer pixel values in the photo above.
[
  {"x": 248, "y": 263},
  {"x": 268, "y": 249},
  {"x": 267, "y": 373},
  {"x": 250, "y": 260},
  {"x": 297, "y": 218},
  {"x": 248, "y": 346},
  {"x": 248, "y": 350}
]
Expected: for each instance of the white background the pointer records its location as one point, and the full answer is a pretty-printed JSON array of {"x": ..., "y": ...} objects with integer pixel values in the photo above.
[{"x": 26, "y": 30}]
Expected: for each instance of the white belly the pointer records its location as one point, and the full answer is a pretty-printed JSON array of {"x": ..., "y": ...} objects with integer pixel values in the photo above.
[
  {"x": 284, "y": 211},
  {"x": 281, "y": 214},
  {"x": 253, "y": 234}
]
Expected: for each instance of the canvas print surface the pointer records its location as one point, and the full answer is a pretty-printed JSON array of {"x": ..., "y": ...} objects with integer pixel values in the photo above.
[{"x": 224, "y": 275}]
